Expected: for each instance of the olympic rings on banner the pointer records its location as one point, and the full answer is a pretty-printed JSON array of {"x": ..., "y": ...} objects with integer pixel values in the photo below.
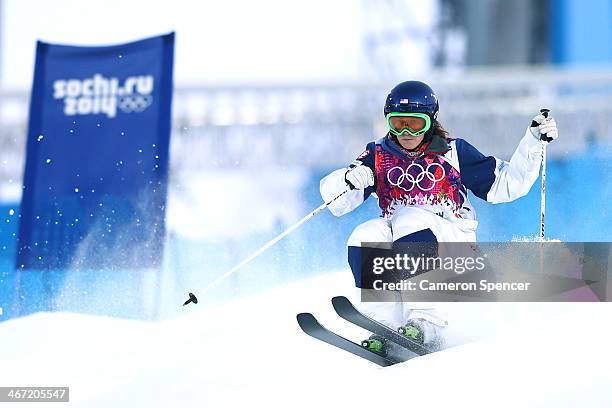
[
  {"x": 396, "y": 176},
  {"x": 134, "y": 103}
]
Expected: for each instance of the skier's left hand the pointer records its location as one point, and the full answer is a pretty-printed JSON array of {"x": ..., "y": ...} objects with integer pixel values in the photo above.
[{"x": 546, "y": 129}]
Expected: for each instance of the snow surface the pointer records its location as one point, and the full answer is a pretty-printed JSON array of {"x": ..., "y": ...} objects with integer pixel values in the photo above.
[{"x": 251, "y": 352}]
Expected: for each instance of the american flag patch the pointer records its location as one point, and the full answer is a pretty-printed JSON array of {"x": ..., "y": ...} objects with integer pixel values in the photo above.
[
  {"x": 404, "y": 101},
  {"x": 364, "y": 154}
]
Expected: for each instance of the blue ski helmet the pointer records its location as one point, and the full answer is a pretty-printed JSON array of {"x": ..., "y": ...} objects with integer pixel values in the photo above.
[{"x": 412, "y": 97}]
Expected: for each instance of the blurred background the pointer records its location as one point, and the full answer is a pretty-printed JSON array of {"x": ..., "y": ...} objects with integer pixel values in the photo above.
[{"x": 272, "y": 95}]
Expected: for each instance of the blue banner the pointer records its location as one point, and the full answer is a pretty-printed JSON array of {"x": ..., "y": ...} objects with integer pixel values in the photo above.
[{"x": 95, "y": 183}]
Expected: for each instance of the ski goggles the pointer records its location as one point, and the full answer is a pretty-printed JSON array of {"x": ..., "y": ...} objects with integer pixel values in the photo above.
[{"x": 415, "y": 124}]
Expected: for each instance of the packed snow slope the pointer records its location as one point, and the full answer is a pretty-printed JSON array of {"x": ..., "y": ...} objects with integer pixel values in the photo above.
[{"x": 251, "y": 352}]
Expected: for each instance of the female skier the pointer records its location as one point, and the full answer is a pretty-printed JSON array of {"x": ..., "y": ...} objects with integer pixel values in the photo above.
[{"x": 421, "y": 177}]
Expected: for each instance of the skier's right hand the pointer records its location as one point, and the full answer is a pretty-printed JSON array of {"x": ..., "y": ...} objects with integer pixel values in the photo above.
[{"x": 359, "y": 177}]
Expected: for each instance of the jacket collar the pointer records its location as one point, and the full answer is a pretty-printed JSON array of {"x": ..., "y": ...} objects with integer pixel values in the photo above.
[{"x": 437, "y": 145}]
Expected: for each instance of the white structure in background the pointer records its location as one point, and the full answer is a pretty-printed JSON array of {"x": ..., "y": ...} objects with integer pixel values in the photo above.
[
  {"x": 400, "y": 37},
  {"x": 321, "y": 126}
]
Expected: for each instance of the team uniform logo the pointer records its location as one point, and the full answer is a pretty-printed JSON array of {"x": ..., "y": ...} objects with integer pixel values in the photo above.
[
  {"x": 429, "y": 181},
  {"x": 416, "y": 175},
  {"x": 100, "y": 95}
]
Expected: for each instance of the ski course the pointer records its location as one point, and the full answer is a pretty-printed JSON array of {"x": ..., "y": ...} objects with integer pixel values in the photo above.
[{"x": 252, "y": 352}]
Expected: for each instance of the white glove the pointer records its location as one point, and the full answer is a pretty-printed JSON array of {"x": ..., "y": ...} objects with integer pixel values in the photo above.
[
  {"x": 359, "y": 177},
  {"x": 544, "y": 128}
]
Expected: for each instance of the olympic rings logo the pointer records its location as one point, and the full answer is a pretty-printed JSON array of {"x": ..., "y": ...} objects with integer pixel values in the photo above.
[
  {"x": 134, "y": 103},
  {"x": 397, "y": 176}
]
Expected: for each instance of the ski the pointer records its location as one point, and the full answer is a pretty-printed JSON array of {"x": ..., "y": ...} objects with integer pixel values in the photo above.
[
  {"x": 313, "y": 328},
  {"x": 348, "y": 311}
]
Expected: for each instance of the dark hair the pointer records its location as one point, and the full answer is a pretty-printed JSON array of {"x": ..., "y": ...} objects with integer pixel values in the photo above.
[{"x": 439, "y": 130}]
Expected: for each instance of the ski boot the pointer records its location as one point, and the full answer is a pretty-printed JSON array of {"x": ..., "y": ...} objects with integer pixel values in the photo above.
[
  {"x": 380, "y": 345},
  {"x": 423, "y": 332},
  {"x": 376, "y": 344}
]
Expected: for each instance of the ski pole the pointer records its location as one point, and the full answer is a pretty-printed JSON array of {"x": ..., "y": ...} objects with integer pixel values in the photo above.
[
  {"x": 543, "y": 193},
  {"x": 543, "y": 188},
  {"x": 271, "y": 243}
]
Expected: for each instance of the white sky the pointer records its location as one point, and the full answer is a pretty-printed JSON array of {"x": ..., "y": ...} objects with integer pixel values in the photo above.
[{"x": 217, "y": 41}]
